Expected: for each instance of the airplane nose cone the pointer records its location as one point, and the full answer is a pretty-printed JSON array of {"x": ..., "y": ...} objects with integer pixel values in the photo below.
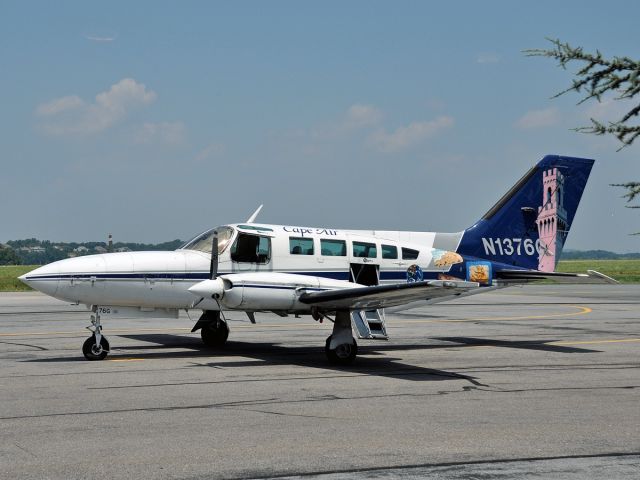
[{"x": 44, "y": 279}]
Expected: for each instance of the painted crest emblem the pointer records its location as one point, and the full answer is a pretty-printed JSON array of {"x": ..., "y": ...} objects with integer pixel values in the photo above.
[{"x": 414, "y": 274}]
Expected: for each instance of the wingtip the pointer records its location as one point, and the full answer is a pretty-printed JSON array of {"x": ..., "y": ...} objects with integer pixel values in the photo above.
[{"x": 603, "y": 277}]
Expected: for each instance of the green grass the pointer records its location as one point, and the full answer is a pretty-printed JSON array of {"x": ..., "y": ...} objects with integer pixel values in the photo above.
[
  {"x": 9, "y": 277},
  {"x": 625, "y": 271}
]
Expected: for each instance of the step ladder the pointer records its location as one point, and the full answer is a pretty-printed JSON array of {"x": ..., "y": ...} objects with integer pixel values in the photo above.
[{"x": 369, "y": 324}]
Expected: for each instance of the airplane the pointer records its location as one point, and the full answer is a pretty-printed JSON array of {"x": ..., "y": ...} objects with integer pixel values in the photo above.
[{"x": 346, "y": 276}]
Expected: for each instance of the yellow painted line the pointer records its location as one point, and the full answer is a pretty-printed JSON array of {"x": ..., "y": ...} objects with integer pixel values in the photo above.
[
  {"x": 581, "y": 311},
  {"x": 76, "y": 332},
  {"x": 595, "y": 342},
  {"x": 138, "y": 330}
]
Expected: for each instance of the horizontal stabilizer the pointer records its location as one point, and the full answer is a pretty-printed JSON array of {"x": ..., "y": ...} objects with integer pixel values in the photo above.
[
  {"x": 382, "y": 296},
  {"x": 519, "y": 276}
]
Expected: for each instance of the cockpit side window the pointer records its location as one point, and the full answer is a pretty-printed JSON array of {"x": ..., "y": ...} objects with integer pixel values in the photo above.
[
  {"x": 251, "y": 249},
  {"x": 202, "y": 243}
]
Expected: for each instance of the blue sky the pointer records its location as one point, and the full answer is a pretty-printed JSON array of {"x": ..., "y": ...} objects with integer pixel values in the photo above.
[{"x": 155, "y": 120}]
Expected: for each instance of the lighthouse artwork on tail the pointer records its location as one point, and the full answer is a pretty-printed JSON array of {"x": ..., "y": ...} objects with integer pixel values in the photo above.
[{"x": 552, "y": 220}]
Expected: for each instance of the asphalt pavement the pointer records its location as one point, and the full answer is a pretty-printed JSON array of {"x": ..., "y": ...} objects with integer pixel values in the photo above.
[{"x": 533, "y": 382}]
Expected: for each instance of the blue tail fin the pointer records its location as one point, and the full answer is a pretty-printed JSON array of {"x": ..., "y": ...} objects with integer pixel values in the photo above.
[{"x": 530, "y": 223}]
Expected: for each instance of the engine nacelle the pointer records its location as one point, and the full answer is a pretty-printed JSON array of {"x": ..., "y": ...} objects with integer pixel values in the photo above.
[{"x": 265, "y": 290}]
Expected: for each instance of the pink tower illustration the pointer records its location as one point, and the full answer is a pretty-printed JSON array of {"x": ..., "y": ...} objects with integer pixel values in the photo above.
[{"x": 552, "y": 220}]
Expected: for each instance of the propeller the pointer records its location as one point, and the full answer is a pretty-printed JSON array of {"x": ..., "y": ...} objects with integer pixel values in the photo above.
[
  {"x": 214, "y": 286},
  {"x": 218, "y": 286},
  {"x": 213, "y": 268}
]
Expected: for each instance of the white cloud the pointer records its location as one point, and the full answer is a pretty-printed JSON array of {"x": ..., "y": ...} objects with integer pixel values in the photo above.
[
  {"x": 360, "y": 116},
  {"x": 357, "y": 117},
  {"x": 170, "y": 133},
  {"x": 59, "y": 105},
  {"x": 71, "y": 115},
  {"x": 546, "y": 117},
  {"x": 407, "y": 136},
  {"x": 488, "y": 57},
  {"x": 609, "y": 109},
  {"x": 210, "y": 151},
  {"x": 101, "y": 38}
]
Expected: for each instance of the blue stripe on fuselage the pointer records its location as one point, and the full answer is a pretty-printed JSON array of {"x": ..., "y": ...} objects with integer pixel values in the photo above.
[{"x": 336, "y": 275}]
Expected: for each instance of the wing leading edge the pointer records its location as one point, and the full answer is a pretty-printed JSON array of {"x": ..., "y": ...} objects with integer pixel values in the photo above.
[{"x": 383, "y": 296}]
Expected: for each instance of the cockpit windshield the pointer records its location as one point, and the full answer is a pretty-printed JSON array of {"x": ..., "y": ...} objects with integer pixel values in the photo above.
[{"x": 202, "y": 243}]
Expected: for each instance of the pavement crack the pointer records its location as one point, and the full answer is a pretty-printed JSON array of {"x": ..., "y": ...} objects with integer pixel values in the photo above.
[
  {"x": 37, "y": 347},
  {"x": 25, "y": 450},
  {"x": 558, "y": 389},
  {"x": 283, "y": 414}
]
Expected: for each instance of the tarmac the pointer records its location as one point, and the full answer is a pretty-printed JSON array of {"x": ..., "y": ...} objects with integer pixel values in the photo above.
[{"x": 533, "y": 382}]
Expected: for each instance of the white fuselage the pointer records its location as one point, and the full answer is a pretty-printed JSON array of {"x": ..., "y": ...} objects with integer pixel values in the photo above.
[{"x": 162, "y": 279}]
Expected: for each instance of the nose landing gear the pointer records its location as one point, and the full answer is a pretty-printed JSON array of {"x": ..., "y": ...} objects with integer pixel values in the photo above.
[
  {"x": 96, "y": 347},
  {"x": 214, "y": 330}
]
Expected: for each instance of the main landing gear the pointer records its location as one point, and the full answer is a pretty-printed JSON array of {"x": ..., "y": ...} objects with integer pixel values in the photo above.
[
  {"x": 214, "y": 331},
  {"x": 96, "y": 347},
  {"x": 341, "y": 348}
]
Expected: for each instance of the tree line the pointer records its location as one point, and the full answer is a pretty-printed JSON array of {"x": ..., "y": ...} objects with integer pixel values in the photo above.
[{"x": 32, "y": 251}]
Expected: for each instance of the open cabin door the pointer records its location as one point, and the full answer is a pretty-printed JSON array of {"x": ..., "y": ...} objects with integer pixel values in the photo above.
[
  {"x": 250, "y": 252},
  {"x": 364, "y": 268}
]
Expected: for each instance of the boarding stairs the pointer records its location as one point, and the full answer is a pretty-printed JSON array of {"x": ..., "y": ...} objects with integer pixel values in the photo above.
[{"x": 369, "y": 324}]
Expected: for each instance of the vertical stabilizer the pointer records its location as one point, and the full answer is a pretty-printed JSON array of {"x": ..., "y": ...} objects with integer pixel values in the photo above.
[{"x": 530, "y": 223}]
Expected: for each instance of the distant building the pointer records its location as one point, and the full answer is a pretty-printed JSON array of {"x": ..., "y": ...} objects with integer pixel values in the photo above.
[
  {"x": 123, "y": 249},
  {"x": 31, "y": 249},
  {"x": 81, "y": 249},
  {"x": 100, "y": 249}
]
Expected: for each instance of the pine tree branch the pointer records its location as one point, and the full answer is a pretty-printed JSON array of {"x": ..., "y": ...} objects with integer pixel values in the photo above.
[
  {"x": 632, "y": 187},
  {"x": 599, "y": 76}
]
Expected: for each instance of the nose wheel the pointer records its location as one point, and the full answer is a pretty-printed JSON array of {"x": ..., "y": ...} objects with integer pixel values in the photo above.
[
  {"x": 96, "y": 347},
  {"x": 214, "y": 330}
]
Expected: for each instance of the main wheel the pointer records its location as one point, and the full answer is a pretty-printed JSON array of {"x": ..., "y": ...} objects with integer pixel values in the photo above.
[
  {"x": 214, "y": 334},
  {"x": 93, "y": 351},
  {"x": 343, "y": 354}
]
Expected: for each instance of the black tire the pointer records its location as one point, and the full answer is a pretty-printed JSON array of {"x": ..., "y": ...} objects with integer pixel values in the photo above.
[
  {"x": 214, "y": 334},
  {"x": 92, "y": 351},
  {"x": 344, "y": 354}
]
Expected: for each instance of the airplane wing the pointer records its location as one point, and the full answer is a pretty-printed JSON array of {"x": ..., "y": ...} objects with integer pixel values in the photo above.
[
  {"x": 520, "y": 276},
  {"x": 382, "y": 296}
]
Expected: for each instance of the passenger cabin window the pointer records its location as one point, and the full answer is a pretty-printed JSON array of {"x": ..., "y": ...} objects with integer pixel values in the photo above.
[
  {"x": 300, "y": 246},
  {"x": 409, "y": 254},
  {"x": 251, "y": 249},
  {"x": 333, "y": 248},
  {"x": 367, "y": 250},
  {"x": 389, "y": 251}
]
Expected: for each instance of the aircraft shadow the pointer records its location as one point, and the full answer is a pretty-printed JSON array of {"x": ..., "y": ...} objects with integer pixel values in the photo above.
[
  {"x": 373, "y": 359},
  {"x": 544, "y": 346}
]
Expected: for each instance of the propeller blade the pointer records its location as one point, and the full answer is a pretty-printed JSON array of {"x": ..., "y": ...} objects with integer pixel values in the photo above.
[{"x": 213, "y": 269}]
